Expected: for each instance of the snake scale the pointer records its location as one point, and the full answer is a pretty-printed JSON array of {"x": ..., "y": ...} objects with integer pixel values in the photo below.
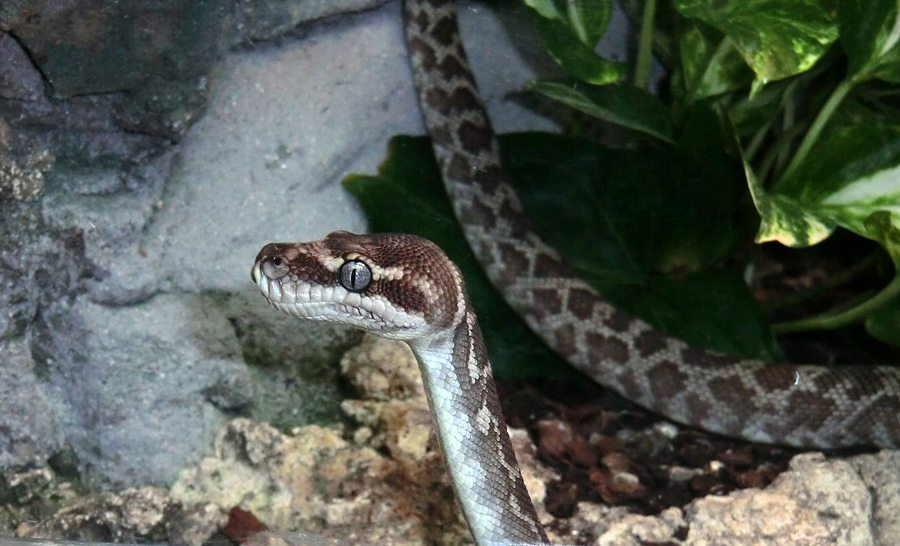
[{"x": 404, "y": 287}]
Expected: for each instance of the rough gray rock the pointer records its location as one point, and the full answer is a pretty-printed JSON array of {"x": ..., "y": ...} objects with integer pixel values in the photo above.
[
  {"x": 267, "y": 20},
  {"x": 155, "y": 58},
  {"x": 29, "y": 429},
  {"x": 124, "y": 378},
  {"x": 137, "y": 515},
  {"x": 113, "y": 244},
  {"x": 818, "y": 502}
]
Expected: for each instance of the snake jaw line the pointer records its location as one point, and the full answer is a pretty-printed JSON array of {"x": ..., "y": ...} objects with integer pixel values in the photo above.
[{"x": 292, "y": 293}]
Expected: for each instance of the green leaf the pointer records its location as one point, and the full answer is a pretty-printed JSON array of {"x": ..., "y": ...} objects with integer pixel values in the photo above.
[
  {"x": 587, "y": 19},
  {"x": 749, "y": 113},
  {"x": 646, "y": 215},
  {"x": 646, "y": 212},
  {"x": 858, "y": 160},
  {"x": 784, "y": 219},
  {"x": 710, "y": 309},
  {"x": 667, "y": 25},
  {"x": 884, "y": 323},
  {"x": 710, "y": 65},
  {"x": 623, "y": 105},
  {"x": 776, "y": 38},
  {"x": 708, "y": 144},
  {"x": 643, "y": 212},
  {"x": 573, "y": 55},
  {"x": 545, "y": 8},
  {"x": 853, "y": 174},
  {"x": 870, "y": 34},
  {"x": 883, "y": 228}
]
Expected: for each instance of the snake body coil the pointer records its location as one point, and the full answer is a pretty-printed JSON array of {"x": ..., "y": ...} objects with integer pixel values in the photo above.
[{"x": 403, "y": 287}]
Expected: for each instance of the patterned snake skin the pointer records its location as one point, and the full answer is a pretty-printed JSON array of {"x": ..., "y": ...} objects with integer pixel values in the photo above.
[
  {"x": 404, "y": 287},
  {"x": 799, "y": 405}
]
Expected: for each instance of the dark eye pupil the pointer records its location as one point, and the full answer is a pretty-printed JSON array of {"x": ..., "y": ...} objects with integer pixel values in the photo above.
[
  {"x": 355, "y": 276},
  {"x": 276, "y": 261}
]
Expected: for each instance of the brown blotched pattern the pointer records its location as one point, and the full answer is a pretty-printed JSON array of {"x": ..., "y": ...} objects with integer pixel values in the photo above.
[{"x": 811, "y": 406}]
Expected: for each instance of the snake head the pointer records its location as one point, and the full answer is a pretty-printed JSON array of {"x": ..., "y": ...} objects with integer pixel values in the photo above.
[{"x": 394, "y": 285}]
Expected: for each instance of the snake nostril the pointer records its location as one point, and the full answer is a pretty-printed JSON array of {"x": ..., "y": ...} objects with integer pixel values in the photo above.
[{"x": 275, "y": 267}]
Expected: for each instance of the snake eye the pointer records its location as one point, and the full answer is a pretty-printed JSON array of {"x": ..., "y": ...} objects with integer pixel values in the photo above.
[{"x": 355, "y": 276}]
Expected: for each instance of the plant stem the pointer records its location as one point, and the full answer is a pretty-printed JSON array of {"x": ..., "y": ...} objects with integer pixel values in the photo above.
[
  {"x": 755, "y": 142},
  {"x": 645, "y": 46},
  {"x": 771, "y": 157},
  {"x": 830, "y": 322},
  {"x": 833, "y": 281},
  {"x": 815, "y": 130}
]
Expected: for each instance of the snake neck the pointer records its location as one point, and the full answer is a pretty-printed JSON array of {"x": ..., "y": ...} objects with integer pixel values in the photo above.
[
  {"x": 473, "y": 437},
  {"x": 455, "y": 367}
]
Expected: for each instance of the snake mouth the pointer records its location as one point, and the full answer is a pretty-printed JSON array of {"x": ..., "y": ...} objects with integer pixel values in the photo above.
[
  {"x": 326, "y": 303},
  {"x": 333, "y": 303}
]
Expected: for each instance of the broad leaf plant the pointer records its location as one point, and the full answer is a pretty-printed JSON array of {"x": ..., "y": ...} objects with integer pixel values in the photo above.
[{"x": 777, "y": 120}]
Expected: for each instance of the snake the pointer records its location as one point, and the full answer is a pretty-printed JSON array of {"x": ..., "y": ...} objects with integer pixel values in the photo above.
[{"x": 404, "y": 287}]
